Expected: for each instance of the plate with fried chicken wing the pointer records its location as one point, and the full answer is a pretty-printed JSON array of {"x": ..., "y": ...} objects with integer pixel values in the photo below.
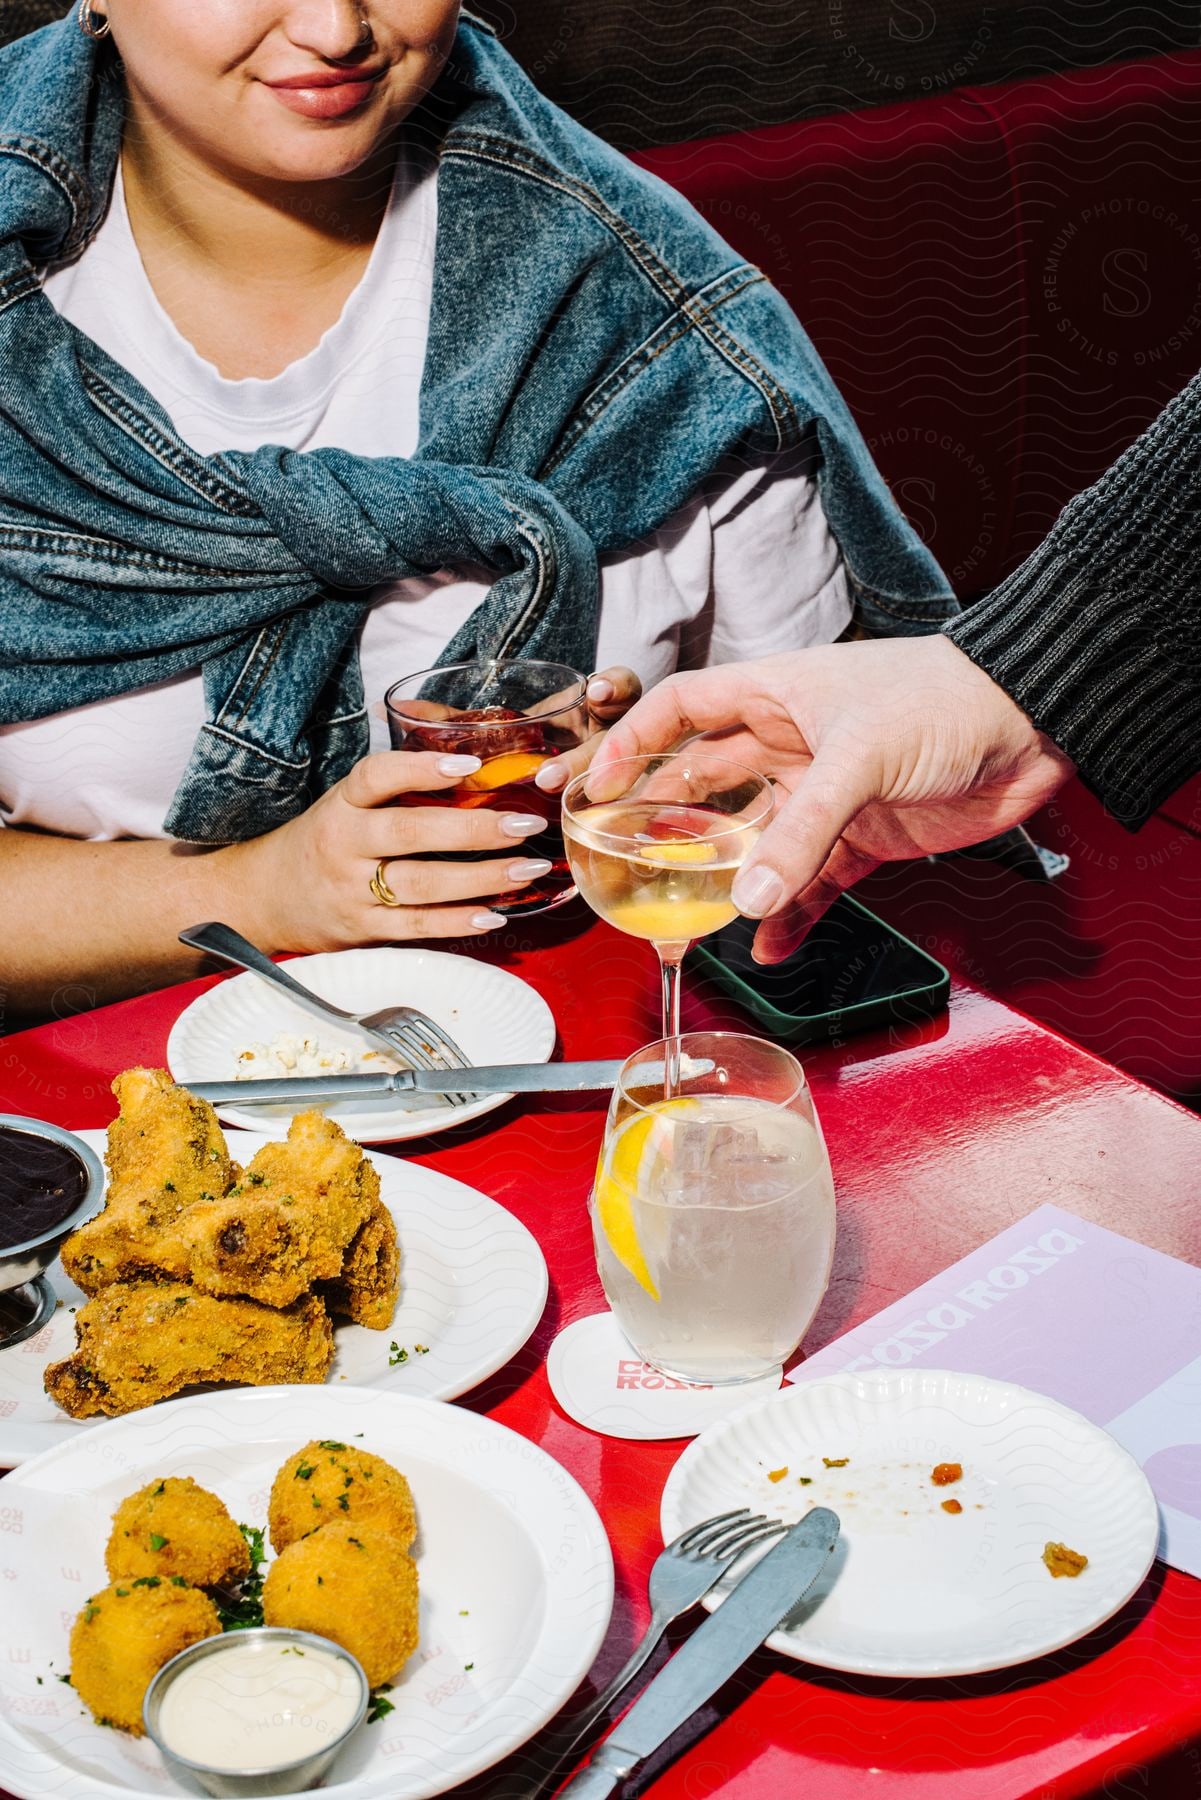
[
  {"x": 245, "y": 1260},
  {"x": 464, "y": 1569}
]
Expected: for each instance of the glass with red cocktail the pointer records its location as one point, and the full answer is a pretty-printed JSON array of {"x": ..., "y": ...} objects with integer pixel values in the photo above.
[{"x": 514, "y": 714}]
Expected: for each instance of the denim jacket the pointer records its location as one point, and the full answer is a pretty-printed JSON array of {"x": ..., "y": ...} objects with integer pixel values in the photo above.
[{"x": 594, "y": 351}]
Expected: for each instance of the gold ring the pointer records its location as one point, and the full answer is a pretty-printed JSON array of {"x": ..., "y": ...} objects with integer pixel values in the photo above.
[{"x": 380, "y": 889}]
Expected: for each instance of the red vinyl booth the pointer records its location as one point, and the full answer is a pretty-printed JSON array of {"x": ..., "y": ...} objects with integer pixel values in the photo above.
[{"x": 1006, "y": 283}]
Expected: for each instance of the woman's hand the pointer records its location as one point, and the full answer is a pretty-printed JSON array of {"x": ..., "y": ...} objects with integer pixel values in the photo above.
[
  {"x": 307, "y": 885},
  {"x": 886, "y": 750},
  {"x": 611, "y": 693}
]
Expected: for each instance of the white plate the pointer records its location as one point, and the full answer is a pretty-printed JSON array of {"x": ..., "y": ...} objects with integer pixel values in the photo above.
[
  {"x": 515, "y": 1570},
  {"x": 912, "y": 1590},
  {"x": 472, "y": 1288},
  {"x": 494, "y": 1016}
]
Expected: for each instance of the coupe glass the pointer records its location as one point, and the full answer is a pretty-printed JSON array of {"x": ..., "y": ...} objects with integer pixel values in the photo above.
[
  {"x": 514, "y": 714},
  {"x": 655, "y": 842},
  {"x": 713, "y": 1211}
]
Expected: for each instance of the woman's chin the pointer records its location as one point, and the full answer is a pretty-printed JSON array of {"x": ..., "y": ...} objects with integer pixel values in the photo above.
[{"x": 293, "y": 149}]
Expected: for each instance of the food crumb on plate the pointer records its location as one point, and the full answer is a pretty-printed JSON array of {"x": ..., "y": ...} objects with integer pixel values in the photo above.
[
  {"x": 942, "y": 1474},
  {"x": 1062, "y": 1561},
  {"x": 836, "y": 1462},
  {"x": 777, "y": 1474},
  {"x": 951, "y": 1506}
]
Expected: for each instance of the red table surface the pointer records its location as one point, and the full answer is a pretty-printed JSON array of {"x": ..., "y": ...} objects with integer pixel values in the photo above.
[{"x": 940, "y": 1136}]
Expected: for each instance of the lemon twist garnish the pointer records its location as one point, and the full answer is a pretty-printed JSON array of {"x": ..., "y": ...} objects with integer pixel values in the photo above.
[{"x": 679, "y": 851}]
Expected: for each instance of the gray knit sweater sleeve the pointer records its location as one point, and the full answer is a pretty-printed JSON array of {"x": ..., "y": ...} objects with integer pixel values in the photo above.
[{"x": 1098, "y": 635}]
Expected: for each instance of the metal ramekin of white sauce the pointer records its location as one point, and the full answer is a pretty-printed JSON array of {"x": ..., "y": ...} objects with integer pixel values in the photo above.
[{"x": 263, "y": 1711}]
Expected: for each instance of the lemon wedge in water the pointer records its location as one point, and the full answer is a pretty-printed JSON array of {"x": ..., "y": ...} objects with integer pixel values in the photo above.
[{"x": 629, "y": 1167}]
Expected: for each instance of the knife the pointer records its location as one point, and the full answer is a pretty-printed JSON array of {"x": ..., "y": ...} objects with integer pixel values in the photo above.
[
  {"x": 719, "y": 1647},
  {"x": 495, "y": 1078}
]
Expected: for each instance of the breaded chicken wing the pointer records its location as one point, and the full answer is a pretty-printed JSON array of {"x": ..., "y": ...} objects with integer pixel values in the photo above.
[
  {"x": 285, "y": 1225},
  {"x": 369, "y": 1285},
  {"x": 166, "y": 1153},
  {"x": 139, "y": 1342}
]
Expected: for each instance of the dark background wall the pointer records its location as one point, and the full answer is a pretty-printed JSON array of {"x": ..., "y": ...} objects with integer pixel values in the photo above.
[{"x": 644, "y": 72}]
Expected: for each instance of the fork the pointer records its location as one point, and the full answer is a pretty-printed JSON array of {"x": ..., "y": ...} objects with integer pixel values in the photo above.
[
  {"x": 417, "y": 1036},
  {"x": 682, "y": 1575}
]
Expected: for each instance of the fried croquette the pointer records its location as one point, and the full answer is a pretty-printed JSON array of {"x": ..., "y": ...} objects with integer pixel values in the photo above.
[
  {"x": 286, "y": 1224},
  {"x": 369, "y": 1285},
  {"x": 329, "y": 1481},
  {"x": 125, "y": 1634},
  {"x": 166, "y": 1154},
  {"x": 176, "y": 1527},
  {"x": 139, "y": 1342},
  {"x": 352, "y": 1583}
]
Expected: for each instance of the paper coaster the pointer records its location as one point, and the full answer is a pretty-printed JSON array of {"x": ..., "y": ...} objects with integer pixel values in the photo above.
[{"x": 601, "y": 1382}]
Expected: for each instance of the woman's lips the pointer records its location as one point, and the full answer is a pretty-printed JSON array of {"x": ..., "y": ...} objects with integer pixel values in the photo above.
[{"x": 323, "y": 98}]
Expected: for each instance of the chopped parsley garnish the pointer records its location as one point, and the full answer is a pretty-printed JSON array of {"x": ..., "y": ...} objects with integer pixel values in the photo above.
[
  {"x": 157, "y": 1542},
  {"x": 396, "y": 1355},
  {"x": 304, "y": 1471},
  {"x": 329, "y": 1444},
  {"x": 89, "y": 1612},
  {"x": 379, "y": 1708},
  {"x": 148, "y": 1581},
  {"x": 245, "y": 1610},
  {"x": 160, "y": 1489},
  {"x": 344, "y": 1502}
]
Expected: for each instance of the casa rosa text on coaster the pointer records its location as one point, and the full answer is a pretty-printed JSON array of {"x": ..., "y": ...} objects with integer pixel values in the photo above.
[{"x": 600, "y": 1381}]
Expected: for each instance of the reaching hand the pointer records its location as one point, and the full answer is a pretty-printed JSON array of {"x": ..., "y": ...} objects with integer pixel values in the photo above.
[{"x": 885, "y": 750}]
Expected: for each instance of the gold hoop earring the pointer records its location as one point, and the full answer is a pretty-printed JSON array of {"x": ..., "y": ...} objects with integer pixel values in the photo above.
[{"x": 87, "y": 22}]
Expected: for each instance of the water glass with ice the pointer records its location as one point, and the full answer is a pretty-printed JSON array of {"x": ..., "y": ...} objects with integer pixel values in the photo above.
[{"x": 713, "y": 1210}]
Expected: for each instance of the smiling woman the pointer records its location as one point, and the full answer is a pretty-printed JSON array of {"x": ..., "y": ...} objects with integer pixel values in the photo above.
[
  {"x": 258, "y": 158},
  {"x": 360, "y": 359}
]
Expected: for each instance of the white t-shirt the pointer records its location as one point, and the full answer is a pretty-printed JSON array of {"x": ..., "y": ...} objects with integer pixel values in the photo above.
[{"x": 748, "y": 567}]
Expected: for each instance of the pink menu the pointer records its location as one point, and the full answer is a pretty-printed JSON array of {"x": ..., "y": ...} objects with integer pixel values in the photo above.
[{"x": 1092, "y": 1319}]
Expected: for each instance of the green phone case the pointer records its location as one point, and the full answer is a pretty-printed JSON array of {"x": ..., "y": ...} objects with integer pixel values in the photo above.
[{"x": 916, "y": 999}]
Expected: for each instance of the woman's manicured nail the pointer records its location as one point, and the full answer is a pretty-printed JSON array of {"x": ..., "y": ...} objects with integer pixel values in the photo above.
[
  {"x": 488, "y": 921},
  {"x": 458, "y": 765},
  {"x": 522, "y": 824},
  {"x": 529, "y": 868},
  {"x": 550, "y": 777},
  {"x": 756, "y": 891},
  {"x": 601, "y": 690}
]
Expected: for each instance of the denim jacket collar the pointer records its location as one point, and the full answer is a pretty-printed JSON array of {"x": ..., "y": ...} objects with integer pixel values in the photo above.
[{"x": 594, "y": 351}]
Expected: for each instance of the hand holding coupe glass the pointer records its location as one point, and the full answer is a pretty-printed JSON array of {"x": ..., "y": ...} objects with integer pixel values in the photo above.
[{"x": 885, "y": 750}]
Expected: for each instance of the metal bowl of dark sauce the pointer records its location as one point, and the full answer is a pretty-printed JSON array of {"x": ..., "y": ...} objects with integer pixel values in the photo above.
[{"x": 50, "y": 1182}]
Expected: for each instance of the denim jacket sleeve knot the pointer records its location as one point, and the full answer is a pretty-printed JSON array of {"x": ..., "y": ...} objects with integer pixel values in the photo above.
[{"x": 594, "y": 352}]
